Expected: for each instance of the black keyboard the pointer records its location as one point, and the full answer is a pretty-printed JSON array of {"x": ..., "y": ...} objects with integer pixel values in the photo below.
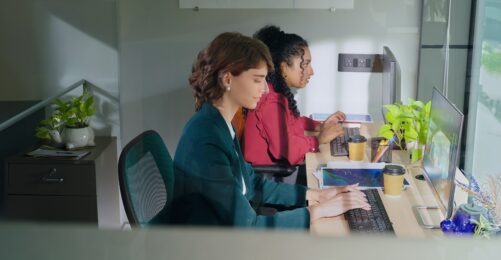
[
  {"x": 339, "y": 146},
  {"x": 370, "y": 221}
]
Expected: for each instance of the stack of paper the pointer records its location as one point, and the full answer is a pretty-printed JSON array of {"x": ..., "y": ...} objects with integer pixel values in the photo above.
[{"x": 75, "y": 155}]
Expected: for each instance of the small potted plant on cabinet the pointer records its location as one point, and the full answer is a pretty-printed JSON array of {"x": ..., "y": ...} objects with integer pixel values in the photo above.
[
  {"x": 407, "y": 124},
  {"x": 69, "y": 123}
]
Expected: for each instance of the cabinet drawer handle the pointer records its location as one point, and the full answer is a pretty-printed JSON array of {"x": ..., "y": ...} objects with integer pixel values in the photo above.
[{"x": 51, "y": 178}]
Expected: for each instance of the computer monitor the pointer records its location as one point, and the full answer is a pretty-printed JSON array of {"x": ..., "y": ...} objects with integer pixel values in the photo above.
[
  {"x": 442, "y": 150},
  {"x": 391, "y": 79}
]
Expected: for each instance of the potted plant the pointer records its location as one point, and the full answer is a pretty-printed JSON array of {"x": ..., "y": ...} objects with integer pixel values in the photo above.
[
  {"x": 69, "y": 123},
  {"x": 407, "y": 123}
]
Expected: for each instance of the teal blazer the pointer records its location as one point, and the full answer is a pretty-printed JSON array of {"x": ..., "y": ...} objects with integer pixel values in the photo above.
[{"x": 209, "y": 169}]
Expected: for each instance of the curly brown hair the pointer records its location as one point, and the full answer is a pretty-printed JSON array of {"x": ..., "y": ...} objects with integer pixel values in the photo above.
[
  {"x": 283, "y": 47},
  {"x": 229, "y": 51}
]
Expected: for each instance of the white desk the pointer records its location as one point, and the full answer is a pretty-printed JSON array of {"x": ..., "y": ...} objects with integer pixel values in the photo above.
[{"x": 399, "y": 208}]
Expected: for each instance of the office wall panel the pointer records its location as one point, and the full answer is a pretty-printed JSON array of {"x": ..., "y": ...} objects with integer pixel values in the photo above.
[{"x": 159, "y": 42}]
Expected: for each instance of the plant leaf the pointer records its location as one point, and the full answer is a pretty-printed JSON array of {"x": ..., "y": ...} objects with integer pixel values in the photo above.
[{"x": 416, "y": 154}]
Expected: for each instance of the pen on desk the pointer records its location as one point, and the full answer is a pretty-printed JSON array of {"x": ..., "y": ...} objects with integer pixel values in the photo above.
[
  {"x": 392, "y": 140},
  {"x": 382, "y": 148}
]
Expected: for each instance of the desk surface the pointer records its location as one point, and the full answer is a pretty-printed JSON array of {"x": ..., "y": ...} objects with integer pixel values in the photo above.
[{"x": 399, "y": 208}]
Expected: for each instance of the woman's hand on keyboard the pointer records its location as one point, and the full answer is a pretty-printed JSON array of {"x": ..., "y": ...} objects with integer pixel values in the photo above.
[
  {"x": 329, "y": 131},
  {"x": 338, "y": 205},
  {"x": 327, "y": 194}
]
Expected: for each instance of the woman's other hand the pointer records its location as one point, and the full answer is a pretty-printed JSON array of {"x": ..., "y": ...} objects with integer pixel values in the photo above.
[
  {"x": 336, "y": 118},
  {"x": 329, "y": 131}
]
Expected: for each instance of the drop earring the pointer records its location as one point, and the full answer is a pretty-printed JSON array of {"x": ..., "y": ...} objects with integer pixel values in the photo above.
[{"x": 228, "y": 89}]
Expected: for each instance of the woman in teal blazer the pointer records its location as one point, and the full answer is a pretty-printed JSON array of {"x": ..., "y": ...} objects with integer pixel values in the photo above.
[{"x": 213, "y": 183}]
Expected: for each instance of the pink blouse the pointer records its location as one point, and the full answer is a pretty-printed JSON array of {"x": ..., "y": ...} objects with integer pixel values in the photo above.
[{"x": 272, "y": 133}]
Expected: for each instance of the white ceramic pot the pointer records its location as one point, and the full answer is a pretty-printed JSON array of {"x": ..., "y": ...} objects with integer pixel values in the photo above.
[{"x": 77, "y": 137}]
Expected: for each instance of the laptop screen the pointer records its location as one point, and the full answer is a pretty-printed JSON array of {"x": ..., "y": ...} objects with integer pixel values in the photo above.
[{"x": 442, "y": 150}]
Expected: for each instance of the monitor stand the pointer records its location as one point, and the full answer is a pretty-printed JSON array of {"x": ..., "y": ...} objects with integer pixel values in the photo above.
[{"x": 418, "y": 209}]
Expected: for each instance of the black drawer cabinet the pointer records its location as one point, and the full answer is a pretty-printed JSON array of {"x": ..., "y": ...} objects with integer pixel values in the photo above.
[
  {"x": 49, "y": 189},
  {"x": 52, "y": 179}
]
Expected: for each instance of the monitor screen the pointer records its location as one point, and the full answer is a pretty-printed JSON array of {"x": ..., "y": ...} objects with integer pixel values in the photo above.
[
  {"x": 391, "y": 78},
  {"x": 442, "y": 150}
]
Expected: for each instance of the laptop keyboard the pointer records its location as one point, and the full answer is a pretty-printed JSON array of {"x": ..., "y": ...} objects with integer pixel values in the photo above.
[
  {"x": 370, "y": 221},
  {"x": 339, "y": 146}
]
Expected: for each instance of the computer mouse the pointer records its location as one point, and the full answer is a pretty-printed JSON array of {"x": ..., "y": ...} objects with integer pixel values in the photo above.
[{"x": 420, "y": 177}]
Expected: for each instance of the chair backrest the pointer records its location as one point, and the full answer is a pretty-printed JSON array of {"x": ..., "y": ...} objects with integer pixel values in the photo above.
[{"x": 146, "y": 177}]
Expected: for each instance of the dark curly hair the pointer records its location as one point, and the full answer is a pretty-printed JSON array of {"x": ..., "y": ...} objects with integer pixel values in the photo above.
[
  {"x": 229, "y": 51},
  {"x": 283, "y": 47}
]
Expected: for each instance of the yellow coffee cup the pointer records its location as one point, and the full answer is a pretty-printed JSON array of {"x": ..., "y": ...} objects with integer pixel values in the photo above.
[
  {"x": 393, "y": 178},
  {"x": 356, "y": 147}
]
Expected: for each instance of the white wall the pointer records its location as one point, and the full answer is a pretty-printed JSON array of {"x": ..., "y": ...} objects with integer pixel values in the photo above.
[
  {"x": 46, "y": 45},
  {"x": 159, "y": 43}
]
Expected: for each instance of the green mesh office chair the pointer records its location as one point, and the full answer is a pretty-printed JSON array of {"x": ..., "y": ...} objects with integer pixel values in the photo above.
[{"x": 146, "y": 179}]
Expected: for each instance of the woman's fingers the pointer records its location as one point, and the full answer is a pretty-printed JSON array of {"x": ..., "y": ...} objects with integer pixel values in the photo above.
[
  {"x": 357, "y": 205},
  {"x": 344, "y": 202},
  {"x": 334, "y": 130},
  {"x": 340, "y": 115},
  {"x": 336, "y": 118},
  {"x": 357, "y": 199},
  {"x": 353, "y": 187},
  {"x": 327, "y": 194},
  {"x": 329, "y": 132}
]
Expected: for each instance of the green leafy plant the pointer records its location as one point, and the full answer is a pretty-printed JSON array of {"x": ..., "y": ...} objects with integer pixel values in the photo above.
[
  {"x": 491, "y": 59},
  {"x": 74, "y": 113},
  {"x": 407, "y": 122},
  {"x": 484, "y": 228}
]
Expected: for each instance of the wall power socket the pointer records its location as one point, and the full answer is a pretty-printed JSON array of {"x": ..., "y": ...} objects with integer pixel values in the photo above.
[{"x": 349, "y": 62}]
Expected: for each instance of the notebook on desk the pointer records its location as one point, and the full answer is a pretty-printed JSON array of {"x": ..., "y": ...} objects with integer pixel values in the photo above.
[{"x": 367, "y": 175}]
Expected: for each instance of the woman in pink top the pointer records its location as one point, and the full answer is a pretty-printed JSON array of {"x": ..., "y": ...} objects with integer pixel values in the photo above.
[{"x": 274, "y": 130}]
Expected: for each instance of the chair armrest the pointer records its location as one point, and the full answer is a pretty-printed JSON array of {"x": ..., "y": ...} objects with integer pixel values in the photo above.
[{"x": 275, "y": 170}]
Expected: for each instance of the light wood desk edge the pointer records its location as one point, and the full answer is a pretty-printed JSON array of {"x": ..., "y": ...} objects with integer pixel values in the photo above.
[{"x": 399, "y": 208}]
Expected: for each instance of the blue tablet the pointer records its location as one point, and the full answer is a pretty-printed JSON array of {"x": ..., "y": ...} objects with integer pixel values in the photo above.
[{"x": 358, "y": 118}]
